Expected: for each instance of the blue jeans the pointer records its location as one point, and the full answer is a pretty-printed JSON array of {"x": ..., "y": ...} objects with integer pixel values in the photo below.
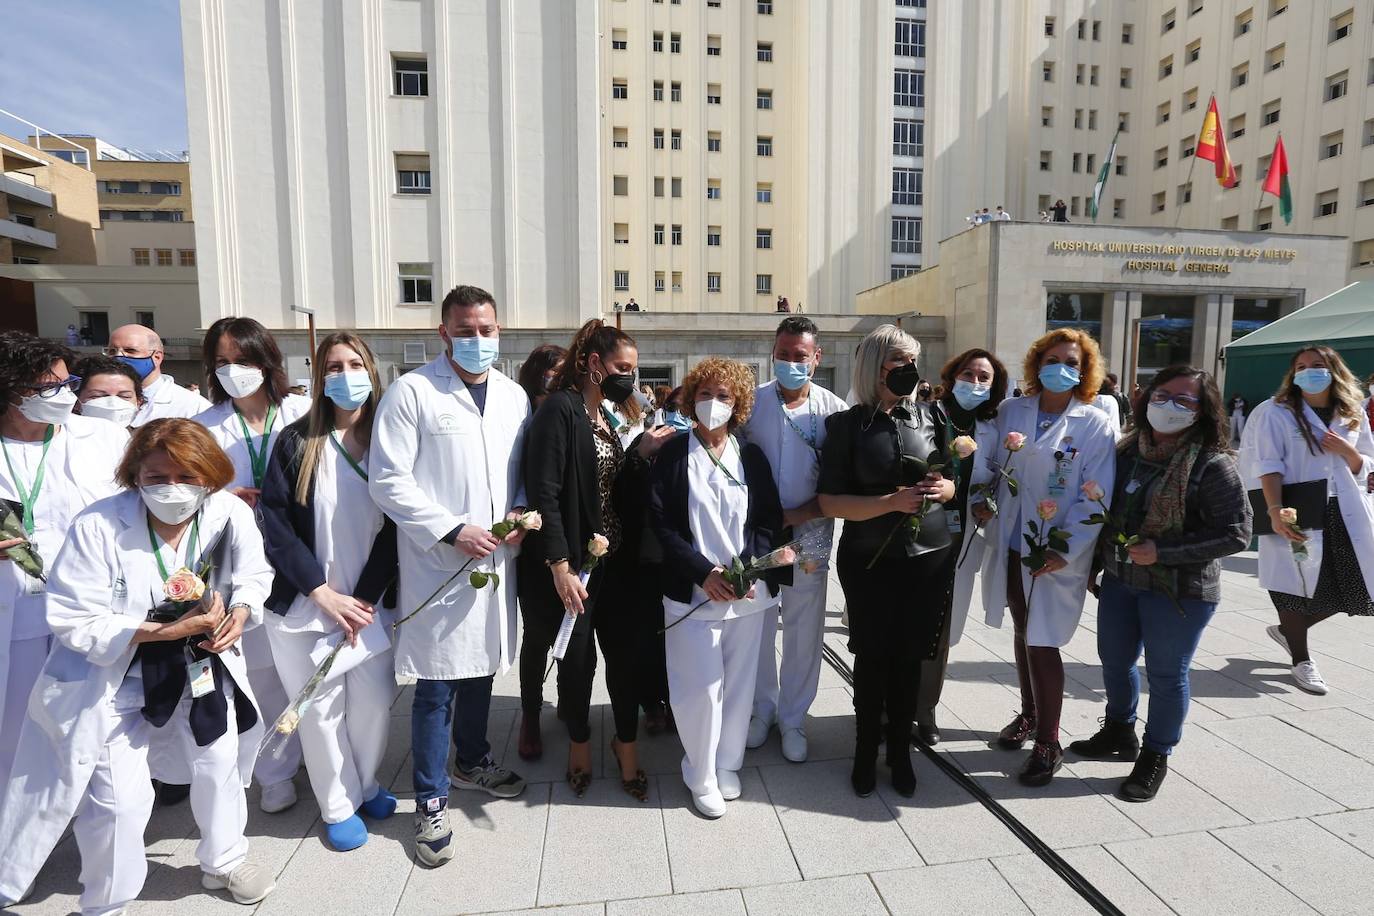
[
  {"x": 443, "y": 708},
  {"x": 1130, "y": 620}
]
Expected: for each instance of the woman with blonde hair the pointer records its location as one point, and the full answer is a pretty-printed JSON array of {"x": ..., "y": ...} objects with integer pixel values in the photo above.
[
  {"x": 1053, "y": 441},
  {"x": 876, "y": 474},
  {"x": 1309, "y": 448},
  {"x": 335, "y": 556},
  {"x": 712, "y": 499}
]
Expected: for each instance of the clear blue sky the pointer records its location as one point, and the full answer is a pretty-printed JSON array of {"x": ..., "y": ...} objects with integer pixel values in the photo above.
[{"x": 106, "y": 67}]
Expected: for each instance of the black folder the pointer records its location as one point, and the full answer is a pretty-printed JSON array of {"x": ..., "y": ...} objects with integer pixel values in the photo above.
[{"x": 1308, "y": 497}]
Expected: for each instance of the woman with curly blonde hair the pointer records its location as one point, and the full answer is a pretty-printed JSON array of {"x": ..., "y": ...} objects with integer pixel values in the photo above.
[
  {"x": 1054, "y": 441},
  {"x": 711, "y": 500}
]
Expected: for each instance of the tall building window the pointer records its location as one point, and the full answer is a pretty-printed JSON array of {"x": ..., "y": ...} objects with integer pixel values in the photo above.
[
  {"x": 676, "y": 139},
  {"x": 713, "y": 283},
  {"x": 908, "y": 137},
  {"x": 658, "y": 138},
  {"x": 763, "y": 284},
  {"x": 622, "y": 281},
  {"x": 410, "y": 76},
  {"x": 164, "y": 257},
  {"x": 142, "y": 257},
  {"x": 658, "y": 42},
  {"x": 676, "y": 91},
  {"x": 660, "y": 281},
  {"x": 622, "y": 233},
  {"x": 765, "y": 146},
  {"x": 908, "y": 88},
  {"x": 677, "y": 281},
  {"x": 412, "y": 173},
  {"x": 619, "y": 41},
  {"x": 620, "y": 89},
  {"x": 186, "y": 257},
  {"x": 658, "y": 233},
  {"x": 763, "y": 238},
  {"x": 713, "y": 236},
  {"x": 677, "y": 234},
  {"x": 1326, "y": 203},
  {"x": 764, "y": 101},
  {"x": 675, "y": 43},
  {"x": 1337, "y": 85},
  {"x": 677, "y": 187},
  {"x": 620, "y": 138},
  {"x": 765, "y": 52},
  {"x": 713, "y": 189},
  {"x": 906, "y": 186},
  {"x": 763, "y": 192},
  {"x": 765, "y": 7},
  {"x": 712, "y": 93},
  {"x": 713, "y": 141},
  {"x": 1341, "y": 25},
  {"x": 906, "y": 235},
  {"x": 658, "y": 90},
  {"x": 713, "y": 46},
  {"x": 620, "y": 185},
  {"x": 1331, "y": 145},
  {"x": 911, "y": 38},
  {"x": 903, "y": 270},
  {"x": 417, "y": 282}
]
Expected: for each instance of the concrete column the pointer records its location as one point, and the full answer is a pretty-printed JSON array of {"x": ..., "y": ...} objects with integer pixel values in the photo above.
[
  {"x": 1225, "y": 314},
  {"x": 1206, "y": 308},
  {"x": 1116, "y": 330}
]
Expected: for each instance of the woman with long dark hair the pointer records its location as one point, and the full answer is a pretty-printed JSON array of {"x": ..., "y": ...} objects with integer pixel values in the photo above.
[
  {"x": 1313, "y": 429},
  {"x": 538, "y": 372},
  {"x": 1179, "y": 496},
  {"x": 573, "y": 457},
  {"x": 974, "y": 384},
  {"x": 335, "y": 557},
  {"x": 246, "y": 377}
]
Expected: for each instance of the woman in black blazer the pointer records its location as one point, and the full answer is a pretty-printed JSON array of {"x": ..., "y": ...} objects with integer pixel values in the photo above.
[
  {"x": 573, "y": 459},
  {"x": 335, "y": 557},
  {"x": 711, "y": 500}
]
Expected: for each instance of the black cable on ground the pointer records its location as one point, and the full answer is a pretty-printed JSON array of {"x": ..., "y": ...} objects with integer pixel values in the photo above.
[{"x": 1066, "y": 872}]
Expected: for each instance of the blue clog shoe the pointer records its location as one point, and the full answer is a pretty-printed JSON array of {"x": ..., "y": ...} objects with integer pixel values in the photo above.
[
  {"x": 380, "y": 806},
  {"x": 347, "y": 834}
]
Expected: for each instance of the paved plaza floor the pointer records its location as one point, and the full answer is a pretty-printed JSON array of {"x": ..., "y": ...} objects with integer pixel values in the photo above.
[{"x": 1268, "y": 808}]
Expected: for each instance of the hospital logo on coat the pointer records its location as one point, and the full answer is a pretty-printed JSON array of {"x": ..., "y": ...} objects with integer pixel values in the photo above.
[
  {"x": 446, "y": 424},
  {"x": 120, "y": 589}
]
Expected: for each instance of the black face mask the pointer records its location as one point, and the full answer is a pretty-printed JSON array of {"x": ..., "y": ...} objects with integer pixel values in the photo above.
[
  {"x": 618, "y": 388},
  {"x": 903, "y": 380}
]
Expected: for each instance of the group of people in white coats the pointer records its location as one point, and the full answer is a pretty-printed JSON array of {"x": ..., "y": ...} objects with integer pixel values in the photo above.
[{"x": 346, "y": 525}]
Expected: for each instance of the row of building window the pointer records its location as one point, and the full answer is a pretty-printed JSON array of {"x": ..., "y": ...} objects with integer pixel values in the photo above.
[
  {"x": 620, "y": 280},
  {"x": 763, "y": 238},
  {"x": 162, "y": 257},
  {"x": 160, "y": 188},
  {"x": 620, "y": 187},
  {"x": 1080, "y": 162},
  {"x": 1079, "y": 206},
  {"x": 142, "y": 216},
  {"x": 620, "y": 41}
]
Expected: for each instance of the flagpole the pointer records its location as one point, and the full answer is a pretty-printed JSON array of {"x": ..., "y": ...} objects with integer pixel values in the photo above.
[{"x": 1178, "y": 215}]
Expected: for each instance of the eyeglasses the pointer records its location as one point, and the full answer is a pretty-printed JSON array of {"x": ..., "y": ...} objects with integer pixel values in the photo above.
[
  {"x": 49, "y": 389},
  {"x": 1185, "y": 401},
  {"x": 130, "y": 352}
]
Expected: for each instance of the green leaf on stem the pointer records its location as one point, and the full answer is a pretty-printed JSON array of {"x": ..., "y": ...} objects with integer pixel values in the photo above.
[
  {"x": 502, "y": 528},
  {"x": 478, "y": 579}
]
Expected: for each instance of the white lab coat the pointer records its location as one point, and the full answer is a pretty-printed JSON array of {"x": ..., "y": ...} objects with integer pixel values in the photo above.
[
  {"x": 1272, "y": 444},
  {"x": 92, "y": 453},
  {"x": 1107, "y": 404},
  {"x": 168, "y": 399},
  {"x": 1057, "y": 602},
  {"x": 101, "y": 586},
  {"x": 989, "y": 449},
  {"x": 437, "y": 463}
]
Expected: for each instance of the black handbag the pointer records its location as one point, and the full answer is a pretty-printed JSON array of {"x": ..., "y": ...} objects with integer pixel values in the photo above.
[{"x": 1308, "y": 497}]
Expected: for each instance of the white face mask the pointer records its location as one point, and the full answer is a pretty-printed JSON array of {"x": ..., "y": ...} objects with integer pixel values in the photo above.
[
  {"x": 1169, "y": 418},
  {"x": 713, "y": 414},
  {"x": 172, "y": 503},
  {"x": 54, "y": 409},
  {"x": 239, "y": 381},
  {"x": 116, "y": 410}
]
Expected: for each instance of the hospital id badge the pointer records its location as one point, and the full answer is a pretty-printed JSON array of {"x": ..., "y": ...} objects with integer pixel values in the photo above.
[
  {"x": 34, "y": 585},
  {"x": 954, "y": 521},
  {"x": 1057, "y": 483},
  {"x": 201, "y": 676}
]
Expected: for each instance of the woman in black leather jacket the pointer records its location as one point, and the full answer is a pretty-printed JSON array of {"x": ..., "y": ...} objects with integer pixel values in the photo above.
[{"x": 876, "y": 474}]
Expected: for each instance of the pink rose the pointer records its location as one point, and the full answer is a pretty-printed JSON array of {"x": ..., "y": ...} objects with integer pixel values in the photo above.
[
  {"x": 598, "y": 545},
  {"x": 1288, "y": 516},
  {"x": 964, "y": 446},
  {"x": 1015, "y": 441},
  {"x": 531, "y": 521},
  {"x": 786, "y": 556},
  {"x": 1093, "y": 490},
  {"x": 1047, "y": 509},
  {"x": 183, "y": 585}
]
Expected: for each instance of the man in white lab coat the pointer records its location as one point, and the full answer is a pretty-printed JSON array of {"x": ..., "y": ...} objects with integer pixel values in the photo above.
[
  {"x": 788, "y": 423},
  {"x": 445, "y": 467},
  {"x": 141, "y": 348}
]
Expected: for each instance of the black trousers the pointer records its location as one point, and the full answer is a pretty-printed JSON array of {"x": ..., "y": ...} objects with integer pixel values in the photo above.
[
  {"x": 651, "y": 653},
  {"x": 609, "y": 620}
]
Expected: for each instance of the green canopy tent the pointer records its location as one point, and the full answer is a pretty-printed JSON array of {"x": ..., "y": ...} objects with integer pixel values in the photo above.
[{"x": 1344, "y": 320}]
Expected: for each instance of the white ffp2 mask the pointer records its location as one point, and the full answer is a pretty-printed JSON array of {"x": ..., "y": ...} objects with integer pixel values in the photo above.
[
  {"x": 239, "y": 381},
  {"x": 172, "y": 503},
  {"x": 713, "y": 414}
]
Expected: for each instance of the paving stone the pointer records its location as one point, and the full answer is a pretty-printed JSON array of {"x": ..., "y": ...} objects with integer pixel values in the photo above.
[
  {"x": 582, "y": 909},
  {"x": 1197, "y": 875},
  {"x": 553, "y": 766},
  {"x": 944, "y": 822},
  {"x": 830, "y": 830},
  {"x": 1180, "y": 806},
  {"x": 603, "y": 846},
  {"x": 1318, "y": 765},
  {"x": 1354, "y": 827},
  {"x": 1045, "y": 892},
  {"x": 853, "y": 895},
  {"x": 1345, "y": 728},
  {"x": 746, "y": 846},
  {"x": 712, "y": 903},
  {"x": 1316, "y": 866},
  {"x": 972, "y": 888},
  {"x": 56, "y": 891}
]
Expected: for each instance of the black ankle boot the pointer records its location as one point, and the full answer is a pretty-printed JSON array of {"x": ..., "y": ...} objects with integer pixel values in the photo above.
[
  {"x": 899, "y": 761},
  {"x": 1044, "y": 761},
  {"x": 864, "y": 776},
  {"x": 1017, "y": 731},
  {"x": 1113, "y": 739},
  {"x": 1146, "y": 778}
]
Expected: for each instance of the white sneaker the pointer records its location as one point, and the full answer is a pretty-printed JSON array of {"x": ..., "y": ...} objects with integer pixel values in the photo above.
[
  {"x": 758, "y": 732},
  {"x": 711, "y": 805},
  {"x": 728, "y": 783},
  {"x": 1307, "y": 677},
  {"x": 794, "y": 745},
  {"x": 1276, "y": 634},
  {"x": 277, "y": 797},
  {"x": 247, "y": 884}
]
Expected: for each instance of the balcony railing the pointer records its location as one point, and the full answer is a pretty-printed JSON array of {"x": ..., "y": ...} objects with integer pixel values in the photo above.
[{"x": 27, "y": 234}]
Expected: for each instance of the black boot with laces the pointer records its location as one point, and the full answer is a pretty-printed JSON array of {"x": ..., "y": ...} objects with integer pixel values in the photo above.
[
  {"x": 1146, "y": 778},
  {"x": 1114, "y": 739}
]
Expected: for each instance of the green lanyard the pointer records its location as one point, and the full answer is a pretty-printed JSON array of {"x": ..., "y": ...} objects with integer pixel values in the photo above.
[
  {"x": 28, "y": 498},
  {"x": 347, "y": 457},
  {"x": 716, "y": 461},
  {"x": 190, "y": 545},
  {"x": 257, "y": 460}
]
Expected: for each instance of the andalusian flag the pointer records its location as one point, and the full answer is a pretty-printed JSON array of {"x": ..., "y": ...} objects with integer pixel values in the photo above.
[
  {"x": 1211, "y": 144},
  {"x": 1101, "y": 186},
  {"x": 1276, "y": 182}
]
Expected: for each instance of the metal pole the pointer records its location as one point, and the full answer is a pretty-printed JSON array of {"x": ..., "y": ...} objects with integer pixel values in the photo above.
[
  {"x": 310, "y": 319},
  {"x": 1135, "y": 352}
]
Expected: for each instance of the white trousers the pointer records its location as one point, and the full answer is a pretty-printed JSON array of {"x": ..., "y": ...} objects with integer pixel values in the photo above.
[
  {"x": 111, "y": 819},
  {"x": 784, "y": 694},
  {"x": 26, "y": 663},
  {"x": 712, "y": 665},
  {"x": 344, "y": 732},
  {"x": 217, "y": 800},
  {"x": 271, "y": 769}
]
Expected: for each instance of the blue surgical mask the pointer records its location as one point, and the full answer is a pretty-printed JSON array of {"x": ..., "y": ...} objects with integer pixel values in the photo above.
[
  {"x": 1313, "y": 381},
  {"x": 970, "y": 395},
  {"x": 348, "y": 389},
  {"x": 792, "y": 376},
  {"x": 1058, "y": 377},
  {"x": 475, "y": 354},
  {"x": 140, "y": 364},
  {"x": 677, "y": 420}
]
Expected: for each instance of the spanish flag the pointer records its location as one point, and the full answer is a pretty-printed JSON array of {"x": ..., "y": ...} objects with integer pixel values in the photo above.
[{"x": 1211, "y": 144}]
